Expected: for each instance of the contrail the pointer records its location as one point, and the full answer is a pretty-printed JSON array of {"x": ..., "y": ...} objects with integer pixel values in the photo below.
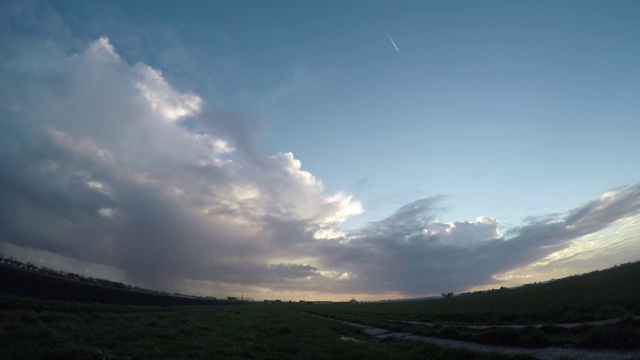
[{"x": 392, "y": 42}]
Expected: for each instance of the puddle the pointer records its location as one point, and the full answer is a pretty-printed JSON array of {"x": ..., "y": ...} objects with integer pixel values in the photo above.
[
  {"x": 349, "y": 338},
  {"x": 522, "y": 326},
  {"x": 375, "y": 331},
  {"x": 543, "y": 354}
]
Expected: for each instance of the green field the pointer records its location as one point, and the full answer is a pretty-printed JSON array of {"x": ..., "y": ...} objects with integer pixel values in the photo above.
[
  {"x": 32, "y": 328},
  {"x": 536, "y": 309},
  {"x": 37, "y": 329}
]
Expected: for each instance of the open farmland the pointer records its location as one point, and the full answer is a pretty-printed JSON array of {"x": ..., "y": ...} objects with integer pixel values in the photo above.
[
  {"x": 492, "y": 325},
  {"x": 38, "y": 329},
  {"x": 594, "y": 311},
  {"x": 97, "y": 322}
]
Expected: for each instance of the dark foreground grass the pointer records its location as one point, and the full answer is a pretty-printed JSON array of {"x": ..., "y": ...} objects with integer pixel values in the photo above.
[
  {"x": 613, "y": 293},
  {"x": 623, "y": 335},
  {"x": 36, "y": 329}
]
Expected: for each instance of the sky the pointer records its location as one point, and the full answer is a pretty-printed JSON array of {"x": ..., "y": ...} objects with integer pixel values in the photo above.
[{"x": 320, "y": 150}]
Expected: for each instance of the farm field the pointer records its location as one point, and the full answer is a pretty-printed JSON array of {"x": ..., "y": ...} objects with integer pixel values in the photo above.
[
  {"x": 104, "y": 323},
  {"x": 593, "y": 311},
  {"x": 38, "y": 329}
]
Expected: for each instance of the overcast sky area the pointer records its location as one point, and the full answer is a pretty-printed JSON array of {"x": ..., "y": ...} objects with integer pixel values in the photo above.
[{"x": 320, "y": 149}]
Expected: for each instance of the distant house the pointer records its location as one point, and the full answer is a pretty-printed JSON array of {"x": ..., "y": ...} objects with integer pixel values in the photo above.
[{"x": 232, "y": 298}]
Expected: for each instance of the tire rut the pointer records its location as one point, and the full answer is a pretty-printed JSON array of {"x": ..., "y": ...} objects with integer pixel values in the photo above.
[{"x": 552, "y": 353}]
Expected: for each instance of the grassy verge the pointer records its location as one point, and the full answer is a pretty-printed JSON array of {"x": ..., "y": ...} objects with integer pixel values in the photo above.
[
  {"x": 624, "y": 335},
  {"x": 36, "y": 329}
]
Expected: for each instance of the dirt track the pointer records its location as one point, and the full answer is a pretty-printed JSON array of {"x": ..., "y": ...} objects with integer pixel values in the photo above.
[
  {"x": 522, "y": 326},
  {"x": 552, "y": 353}
]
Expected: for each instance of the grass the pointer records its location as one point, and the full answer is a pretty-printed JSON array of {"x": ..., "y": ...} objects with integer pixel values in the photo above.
[
  {"x": 604, "y": 294},
  {"x": 25, "y": 283},
  {"x": 38, "y": 329},
  {"x": 32, "y": 328},
  {"x": 624, "y": 335}
]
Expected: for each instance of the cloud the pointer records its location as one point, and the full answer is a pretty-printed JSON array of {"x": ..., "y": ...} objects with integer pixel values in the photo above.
[
  {"x": 411, "y": 253},
  {"x": 162, "y": 98},
  {"x": 105, "y": 162},
  {"x": 610, "y": 246},
  {"x": 116, "y": 167}
]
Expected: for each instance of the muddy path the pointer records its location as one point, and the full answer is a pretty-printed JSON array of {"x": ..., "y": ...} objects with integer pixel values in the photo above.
[
  {"x": 519, "y": 326},
  {"x": 551, "y": 353}
]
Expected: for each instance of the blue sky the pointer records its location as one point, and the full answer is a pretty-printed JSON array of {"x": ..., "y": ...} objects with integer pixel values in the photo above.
[
  {"x": 492, "y": 119},
  {"x": 486, "y": 103}
]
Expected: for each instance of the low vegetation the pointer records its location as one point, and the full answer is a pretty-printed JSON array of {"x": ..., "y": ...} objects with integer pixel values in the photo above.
[
  {"x": 28, "y": 283},
  {"x": 110, "y": 323},
  {"x": 37, "y": 329},
  {"x": 609, "y": 294},
  {"x": 623, "y": 335}
]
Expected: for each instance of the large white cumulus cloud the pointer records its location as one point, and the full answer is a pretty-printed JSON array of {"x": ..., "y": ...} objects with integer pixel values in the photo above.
[{"x": 99, "y": 166}]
